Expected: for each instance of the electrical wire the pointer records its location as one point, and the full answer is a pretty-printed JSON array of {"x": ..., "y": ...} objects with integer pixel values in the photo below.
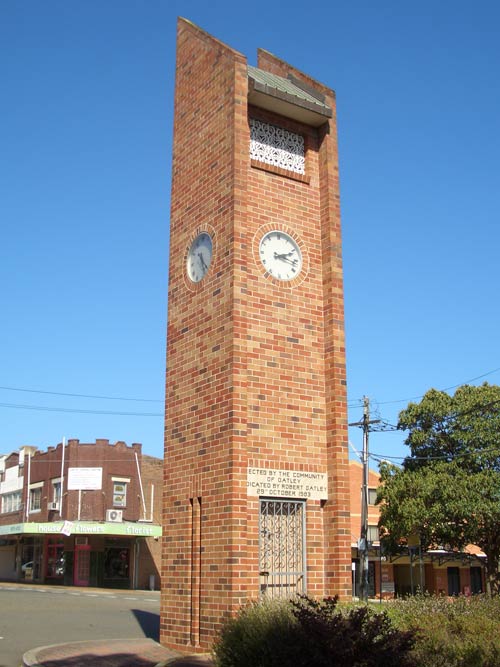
[
  {"x": 61, "y": 393},
  {"x": 90, "y": 412},
  {"x": 415, "y": 398}
]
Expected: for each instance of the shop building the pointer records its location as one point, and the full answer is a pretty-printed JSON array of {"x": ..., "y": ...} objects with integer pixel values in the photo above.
[
  {"x": 442, "y": 570},
  {"x": 83, "y": 514}
]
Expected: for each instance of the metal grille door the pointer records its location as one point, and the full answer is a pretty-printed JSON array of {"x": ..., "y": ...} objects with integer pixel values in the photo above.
[{"x": 282, "y": 566}]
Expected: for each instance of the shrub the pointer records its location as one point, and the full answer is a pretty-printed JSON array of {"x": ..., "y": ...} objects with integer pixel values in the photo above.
[
  {"x": 260, "y": 635},
  {"x": 461, "y": 632},
  {"x": 307, "y": 632}
]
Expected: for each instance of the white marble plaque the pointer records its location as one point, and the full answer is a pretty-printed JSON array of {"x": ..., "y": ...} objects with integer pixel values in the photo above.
[{"x": 287, "y": 483}]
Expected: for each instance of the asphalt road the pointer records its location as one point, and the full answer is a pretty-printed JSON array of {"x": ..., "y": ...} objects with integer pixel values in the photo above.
[{"x": 32, "y": 616}]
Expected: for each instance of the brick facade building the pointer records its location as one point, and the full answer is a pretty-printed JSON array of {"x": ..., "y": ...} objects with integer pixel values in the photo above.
[
  {"x": 81, "y": 514},
  {"x": 256, "y": 458},
  {"x": 441, "y": 571}
]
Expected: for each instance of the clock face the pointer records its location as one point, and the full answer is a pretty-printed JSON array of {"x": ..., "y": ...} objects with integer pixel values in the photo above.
[
  {"x": 199, "y": 257},
  {"x": 280, "y": 255}
]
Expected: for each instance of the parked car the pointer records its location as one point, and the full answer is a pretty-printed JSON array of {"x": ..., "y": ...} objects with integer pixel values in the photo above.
[{"x": 27, "y": 565}]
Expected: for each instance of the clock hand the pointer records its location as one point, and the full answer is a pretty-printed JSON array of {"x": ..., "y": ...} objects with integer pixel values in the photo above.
[
  {"x": 285, "y": 257},
  {"x": 202, "y": 260}
]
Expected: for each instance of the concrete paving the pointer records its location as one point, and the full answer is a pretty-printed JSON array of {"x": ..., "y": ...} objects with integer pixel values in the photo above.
[
  {"x": 107, "y": 653},
  {"x": 112, "y": 653}
]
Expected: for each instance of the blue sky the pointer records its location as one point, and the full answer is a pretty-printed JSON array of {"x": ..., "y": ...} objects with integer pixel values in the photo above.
[{"x": 85, "y": 157}]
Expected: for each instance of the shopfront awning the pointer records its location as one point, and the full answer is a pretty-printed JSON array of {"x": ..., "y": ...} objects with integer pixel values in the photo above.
[{"x": 127, "y": 528}]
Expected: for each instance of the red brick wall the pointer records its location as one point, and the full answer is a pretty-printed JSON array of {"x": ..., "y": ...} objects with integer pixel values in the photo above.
[
  {"x": 150, "y": 548},
  {"x": 116, "y": 460},
  {"x": 202, "y": 397},
  {"x": 255, "y": 370}
]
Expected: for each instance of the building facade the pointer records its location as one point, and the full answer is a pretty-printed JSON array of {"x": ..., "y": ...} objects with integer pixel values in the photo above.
[
  {"x": 81, "y": 514},
  {"x": 256, "y": 454},
  {"x": 441, "y": 571}
]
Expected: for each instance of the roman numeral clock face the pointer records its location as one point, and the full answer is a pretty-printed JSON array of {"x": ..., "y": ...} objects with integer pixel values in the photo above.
[{"x": 280, "y": 255}]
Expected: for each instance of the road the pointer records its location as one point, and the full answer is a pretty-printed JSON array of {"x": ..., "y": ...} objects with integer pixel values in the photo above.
[{"x": 32, "y": 616}]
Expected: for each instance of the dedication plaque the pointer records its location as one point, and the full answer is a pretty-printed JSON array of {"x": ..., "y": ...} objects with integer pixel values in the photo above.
[{"x": 287, "y": 483}]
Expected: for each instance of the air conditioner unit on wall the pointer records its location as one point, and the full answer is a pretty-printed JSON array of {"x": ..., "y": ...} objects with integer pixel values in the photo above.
[
  {"x": 54, "y": 506},
  {"x": 114, "y": 516}
]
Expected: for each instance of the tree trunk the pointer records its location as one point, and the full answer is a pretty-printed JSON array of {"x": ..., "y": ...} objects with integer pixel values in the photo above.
[{"x": 492, "y": 572}]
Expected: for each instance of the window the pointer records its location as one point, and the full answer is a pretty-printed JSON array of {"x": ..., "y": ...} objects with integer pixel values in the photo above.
[
  {"x": 35, "y": 499},
  {"x": 373, "y": 534},
  {"x": 372, "y": 496},
  {"x": 116, "y": 562},
  {"x": 56, "y": 491},
  {"x": 11, "y": 502},
  {"x": 119, "y": 494},
  {"x": 282, "y": 554},
  {"x": 55, "y": 565},
  {"x": 276, "y": 146}
]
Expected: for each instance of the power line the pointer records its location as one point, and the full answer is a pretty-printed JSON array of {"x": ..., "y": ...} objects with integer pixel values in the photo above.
[
  {"x": 386, "y": 426},
  {"x": 61, "y": 393},
  {"x": 91, "y": 412},
  {"x": 358, "y": 402},
  {"x": 443, "y": 457},
  {"x": 414, "y": 398}
]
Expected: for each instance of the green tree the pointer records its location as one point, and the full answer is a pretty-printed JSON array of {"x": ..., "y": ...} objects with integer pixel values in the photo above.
[{"x": 448, "y": 489}]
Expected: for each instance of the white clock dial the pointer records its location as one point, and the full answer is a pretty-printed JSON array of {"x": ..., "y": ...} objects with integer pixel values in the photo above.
[
  {"x": 199, "y": 257},
  {"x": 280, "y": 255}
]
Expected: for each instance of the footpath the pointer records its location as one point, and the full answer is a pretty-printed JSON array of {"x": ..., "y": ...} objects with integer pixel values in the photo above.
[
  {"x": 112, "y": 653},
  {"x": 142, "y": 652}
]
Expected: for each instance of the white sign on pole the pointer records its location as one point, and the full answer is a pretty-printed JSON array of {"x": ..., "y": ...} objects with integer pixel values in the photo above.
[{"x": 84, "y": 479}]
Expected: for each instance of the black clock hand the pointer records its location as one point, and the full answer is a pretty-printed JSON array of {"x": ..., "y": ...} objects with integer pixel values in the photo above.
[
  {"x": 285, "y": 258},
  {"x": 283, "y": 255},
  {"x": 202, "y": 260}
]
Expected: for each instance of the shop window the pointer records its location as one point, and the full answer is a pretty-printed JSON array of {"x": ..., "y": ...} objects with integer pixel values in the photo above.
[
  {"x": 11, "y": 502},
  {"x": 31, "y": 558},
  {"x": 476, "y": 580},
  {"x": 119, "y": 494},
  {"x": 35, "y": 499},
  {"x": 453, "y": 581},
  {"x": 116, "y": 563},
  {"x": 55, "y": 558}
]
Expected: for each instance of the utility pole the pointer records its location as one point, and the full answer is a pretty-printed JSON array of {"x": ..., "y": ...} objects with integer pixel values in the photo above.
[{"x": 363, "y": 539}]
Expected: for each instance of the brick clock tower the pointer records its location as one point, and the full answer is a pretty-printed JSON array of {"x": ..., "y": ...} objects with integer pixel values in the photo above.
[{"x": 256, "y": 495}]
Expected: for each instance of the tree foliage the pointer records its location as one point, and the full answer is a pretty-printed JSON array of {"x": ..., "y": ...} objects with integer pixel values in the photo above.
[{"x": 448, "y": 490}]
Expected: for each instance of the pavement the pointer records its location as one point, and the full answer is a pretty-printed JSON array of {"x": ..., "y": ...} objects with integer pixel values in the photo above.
[
  {"x": 142, "y": 652},
  {"x": 112, "y": 653}
]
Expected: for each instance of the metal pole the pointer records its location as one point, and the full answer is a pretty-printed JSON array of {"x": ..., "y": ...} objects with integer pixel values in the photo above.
[
  {"x": 363, "y": 540},
  {"x": 62, "y": 478},
  {"x": 380, "y": 572},
  {"x": 140, "y": 486},
  {"x": 363, "y": 554},
  {"x": 27, "y": 508}
]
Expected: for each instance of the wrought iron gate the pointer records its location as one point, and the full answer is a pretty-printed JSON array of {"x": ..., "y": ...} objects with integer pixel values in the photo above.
[{"x": 282, "y": 566}]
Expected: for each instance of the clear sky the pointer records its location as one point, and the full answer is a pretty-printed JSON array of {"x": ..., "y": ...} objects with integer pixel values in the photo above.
[{"x": 86, "y": 104}]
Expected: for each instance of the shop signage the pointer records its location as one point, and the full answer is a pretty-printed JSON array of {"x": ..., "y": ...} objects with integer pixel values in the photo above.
[
  {"x": 287, "y": 483},
  {"x": 84, "y": 528},
  {"x": 84, "y": 479}
]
